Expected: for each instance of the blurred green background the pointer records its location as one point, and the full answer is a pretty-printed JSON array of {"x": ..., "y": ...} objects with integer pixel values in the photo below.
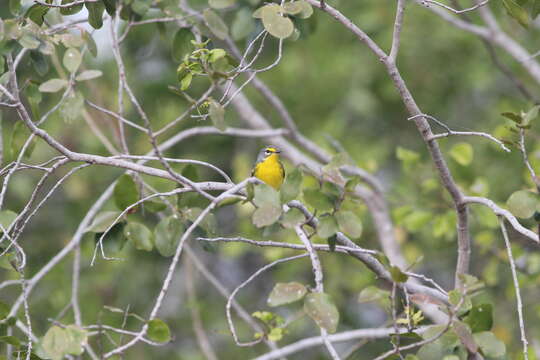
[{"x": 334, "y": 88}]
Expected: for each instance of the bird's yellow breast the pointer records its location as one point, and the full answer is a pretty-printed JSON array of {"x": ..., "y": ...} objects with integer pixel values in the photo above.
[{"x": 270, "y": 171}]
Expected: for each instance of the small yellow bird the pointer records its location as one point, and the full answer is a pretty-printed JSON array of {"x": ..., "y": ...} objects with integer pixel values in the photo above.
[{"x": 268, "y": 168}]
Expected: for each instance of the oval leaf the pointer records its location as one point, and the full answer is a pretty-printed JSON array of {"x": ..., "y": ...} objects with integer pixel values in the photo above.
[
  {"x": 322, "y": 310},
  {"x": 55, "y": 343},
  {"x": 217, "y": 114},
  {"x": 221, "y": 4},
  {"x": 103, "y": 221},
  {"x": 88, "y": 75},
  {"x": 53, "y": 85},
  {"x": 277, "y": 25},
  {"x": 327, "y": 226},
  {"x": 181, "y": 44},
  {"x": 167, "y": 235},
  {"x": 95, "y": 13},
  {"x": 72, "y": 59},
  {"x": 139, "y": 235},
  {"x": 490, "y": 345},
  {"x": 266, "y": 215},
  {"x": 70, "y": 10},
  {"x": 349, "y": 223},
  {"x": 158, "y": 331},
  {"x": 291, "y": 187},
  {"x": 523, "y": 203},
  {"x": 286, "y": 293},
  {"x": 125, "y": 192}
]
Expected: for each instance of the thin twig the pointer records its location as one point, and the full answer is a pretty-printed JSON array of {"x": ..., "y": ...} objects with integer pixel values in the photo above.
[{"x": 516, "y": 288}]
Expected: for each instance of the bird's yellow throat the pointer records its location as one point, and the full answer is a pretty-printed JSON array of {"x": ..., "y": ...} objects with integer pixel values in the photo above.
[{"x": 270, "y": 171}]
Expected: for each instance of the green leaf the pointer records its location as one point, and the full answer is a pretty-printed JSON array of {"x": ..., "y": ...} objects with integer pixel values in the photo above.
[
  {"x": 321, "y": 309},
  {"x": 221, "y": 4},
  {"x": 291, "y": 187},
  {"x": 454, "y": 298},
  {"x": 88, "y": 75},
  {"x": 154, "y": 206},
  {"x": 6, "y": 218},
  {"x": 292, "y": 218},
  {"x": 139, "y": 235},
  {"x": 55, "y": 343},
  {"x": 125, "y": 192},
  {"x": 185, "y": 81},
  {"x": 530, "y": 116},
  {"x": 103, "y": 221},
  {"x": 265, "y": 194},
  {"x": 514, "y": 117},
  {"x": 209, "y": 223},
  {"x": 95, "y": 14},
  {"x": 141, "y": 7},
  {"x": 181, "y": 44},
  {"x": 217, "y": 114},
  {"x": 53, "y": 85},
  {"x": 71, "y": 109},
  {"x": 4, "y": 310},
  {"x": 490, "y": 345},
  {"x": 276, "y": 334},
  {"x": 11, "y": 340},
  {"x": 215, "y": 24},
  {"x": 327, "y": 226},
  {"x": 167, "y": 235},
  {"x": 286, "y": 293},
  {"x": 517, "y": 12},
  {"x": 292, "y": 8},
  {"x": 28, "y": 41},
  {"x": 90, "y": 42},
  {"x": 523, "y": 203},
  {"x": 398, "y": 275},
  {"x": 535, "y": 9},
  {"x": 110, "y": 6},
  {"x": 158, "y": 331},
  {"x": 462, "y": 153},
  {"x": 349, "y": 223},
  {"x": 277, "y": 25},
  {"x": 36, "y": 13},
  {"x": 480, "y": 318},
  {"x": 216, "y": 54},
  {"x": 374, "y": 294},
  {"x": 15, "y": 7},
  {"x": 317, "y": 200},
  {"x": 34, "y": 98},
  {"x": 70, "y": 10},
  {"x": 266, "y": 215},
  {"x": 77, "y": 339},
  {"x": 307, "y": 9}
]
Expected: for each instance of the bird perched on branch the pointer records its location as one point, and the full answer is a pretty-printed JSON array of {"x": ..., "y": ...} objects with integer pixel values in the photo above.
[{"x": 268, "y": 168}]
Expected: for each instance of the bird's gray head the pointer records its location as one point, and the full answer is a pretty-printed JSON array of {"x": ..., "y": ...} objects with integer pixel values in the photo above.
[{"x": 266, "y": 152}]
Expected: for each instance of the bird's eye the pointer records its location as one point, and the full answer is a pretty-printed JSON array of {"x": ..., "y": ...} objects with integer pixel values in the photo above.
[{"x": 267, "y": 152}]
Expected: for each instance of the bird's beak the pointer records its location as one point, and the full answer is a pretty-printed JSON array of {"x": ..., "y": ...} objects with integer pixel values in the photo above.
[{"x": 278, "y": 152}]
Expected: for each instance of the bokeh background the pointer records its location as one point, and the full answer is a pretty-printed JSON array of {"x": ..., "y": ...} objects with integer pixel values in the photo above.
[{"x": 336, "y": 91}]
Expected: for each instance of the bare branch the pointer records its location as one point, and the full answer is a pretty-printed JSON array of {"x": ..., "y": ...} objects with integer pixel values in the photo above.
[
  {"x": 455, "y": 11},
  {"x": 516, "y": 287}
]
